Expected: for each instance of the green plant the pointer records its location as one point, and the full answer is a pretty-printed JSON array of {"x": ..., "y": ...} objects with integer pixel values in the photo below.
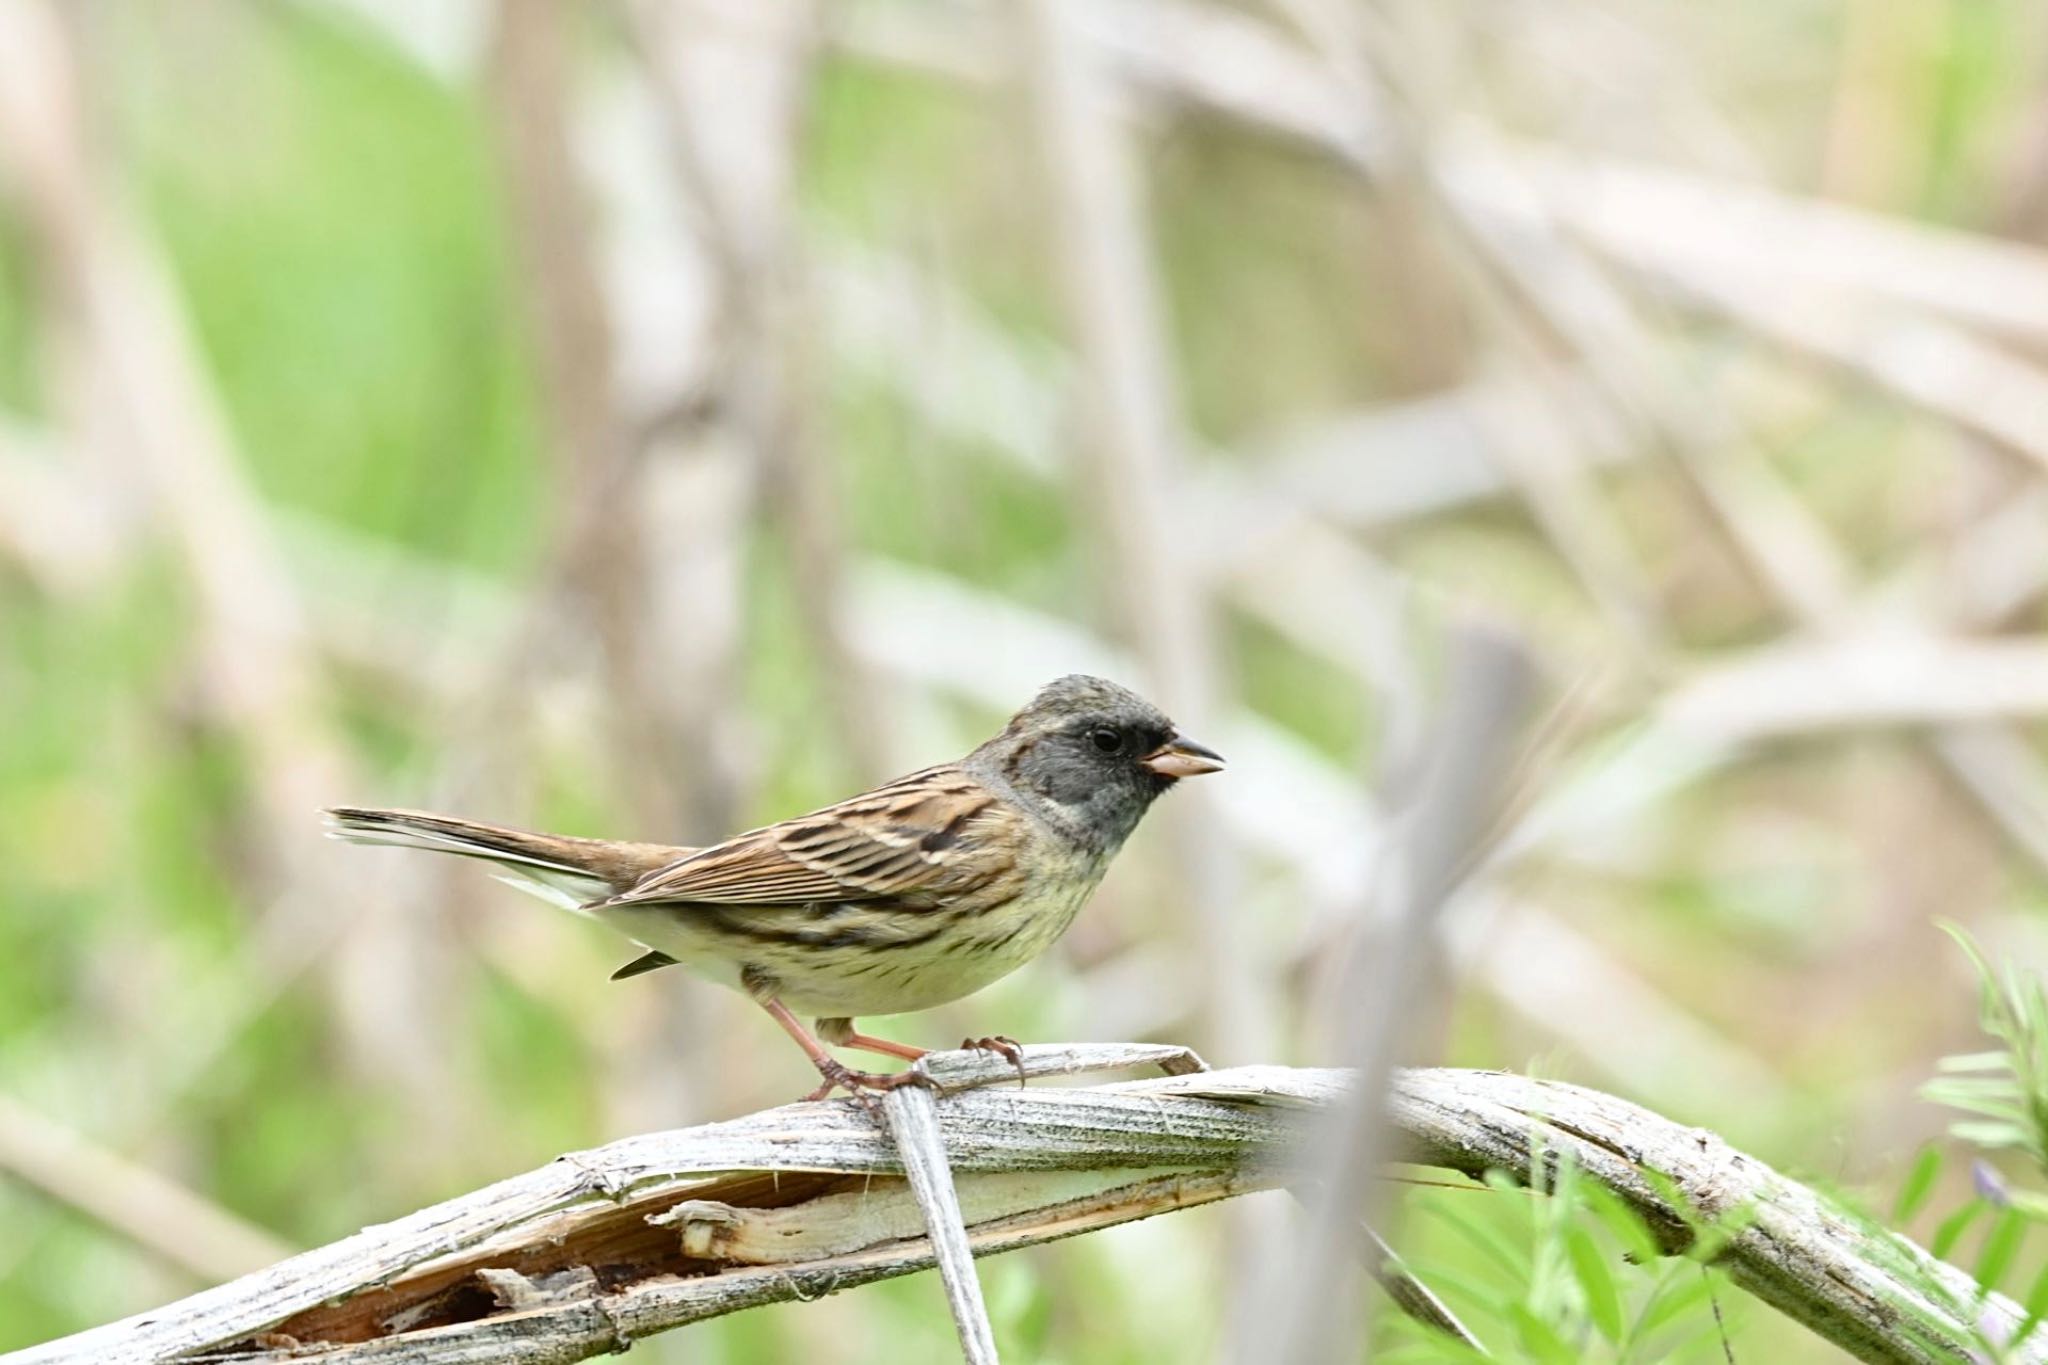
[
  {"x": 2004, "y": 1088},
  {"x": 1571, "y": 1274}
]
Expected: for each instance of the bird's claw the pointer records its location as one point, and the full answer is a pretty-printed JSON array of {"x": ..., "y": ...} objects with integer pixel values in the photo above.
[
  {"x": 864, "y": 1085},
  {"x": 1008, "y": 1048}
]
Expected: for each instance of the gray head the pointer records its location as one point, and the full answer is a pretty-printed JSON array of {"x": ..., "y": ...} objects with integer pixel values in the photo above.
[{"x": 1094, "y": 756}]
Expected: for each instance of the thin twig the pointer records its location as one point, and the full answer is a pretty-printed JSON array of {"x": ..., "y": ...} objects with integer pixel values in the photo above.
[{"x": 1412, "y": 1296}]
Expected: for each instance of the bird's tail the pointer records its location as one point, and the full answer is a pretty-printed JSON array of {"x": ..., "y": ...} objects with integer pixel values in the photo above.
[{"x": 567, "y": 871}]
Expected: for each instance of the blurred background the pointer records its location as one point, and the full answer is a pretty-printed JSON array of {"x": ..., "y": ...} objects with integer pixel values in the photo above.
[{"x": 655, "y": 418}]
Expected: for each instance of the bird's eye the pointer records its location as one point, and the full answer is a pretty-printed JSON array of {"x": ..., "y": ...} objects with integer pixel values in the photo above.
[{"x": 1107, "y": 740}]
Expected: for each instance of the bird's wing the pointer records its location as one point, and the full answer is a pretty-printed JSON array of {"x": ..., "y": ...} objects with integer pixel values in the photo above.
[{"x": 912, "y": 834}]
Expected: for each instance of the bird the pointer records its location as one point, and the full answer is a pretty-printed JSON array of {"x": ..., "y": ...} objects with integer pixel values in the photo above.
[{"x": 905, "y": 897}]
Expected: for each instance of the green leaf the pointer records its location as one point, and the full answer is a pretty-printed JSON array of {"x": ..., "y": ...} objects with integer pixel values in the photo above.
[
  {"x": 1589, "y": 1267},
  {"x": 1539, "y": 1340},
  {"x": 1564, "y": 1188},
  {"x": 1706, "y": 1337},
  {"x": 1500, "y": 1182},
  {"x": 2001, "y": 1244},
  {"x": 2036, "y": 1304},
  {"x": 1429, "y": 1348},
  {"x": 1976, "y": 1091},
  {"x": 1918, "y": 1185},
  {"x": 1464, "y": 1294},
  {"x": 1621, "y": 1219},
  {"x": 1967, "y": 944},
  {"x": 1682, "y": 1289},
  {"x": 1953, "y": 1226},
  {"x": 1990, "y": 1134},
  {"x": 1674, "y": 1199},
  {"x": 1505, "y": 1255}
]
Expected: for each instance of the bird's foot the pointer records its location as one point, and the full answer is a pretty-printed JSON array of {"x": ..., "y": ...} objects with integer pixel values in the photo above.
[
  {"x": 864, "y": 1085},
  {"x": 1008, "y": 1048}
]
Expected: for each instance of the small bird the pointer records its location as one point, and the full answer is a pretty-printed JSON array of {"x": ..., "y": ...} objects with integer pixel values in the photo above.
[{"x": 908, "y": 896}]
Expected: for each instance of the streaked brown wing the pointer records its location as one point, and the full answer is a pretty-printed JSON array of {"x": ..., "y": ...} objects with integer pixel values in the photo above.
[{"x": 909, "y": 835}]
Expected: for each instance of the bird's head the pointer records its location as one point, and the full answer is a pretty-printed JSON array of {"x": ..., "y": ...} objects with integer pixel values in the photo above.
[{"x": 1098, "y": 753}]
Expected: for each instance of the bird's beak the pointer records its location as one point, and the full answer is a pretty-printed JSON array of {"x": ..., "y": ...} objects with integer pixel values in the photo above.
[{"x": 1182, "y": 757}]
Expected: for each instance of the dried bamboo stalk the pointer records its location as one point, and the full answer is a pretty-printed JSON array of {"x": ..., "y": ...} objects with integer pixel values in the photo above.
[
  {"x": 180, "y": 1227},
  {"x": 914, "y": 1127},
  {"x": 808, "y": 1199}
]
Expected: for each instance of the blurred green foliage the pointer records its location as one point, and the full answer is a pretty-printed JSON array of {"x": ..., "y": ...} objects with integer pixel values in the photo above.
[{"x": 333, "y": 217}]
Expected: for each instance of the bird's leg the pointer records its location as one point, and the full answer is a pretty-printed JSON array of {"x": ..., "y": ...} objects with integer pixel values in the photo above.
[
  {"x": 842, "y": 1033},
  {"x": 1008, "y": 1048},
  {"x": 836, "y": 1073}
]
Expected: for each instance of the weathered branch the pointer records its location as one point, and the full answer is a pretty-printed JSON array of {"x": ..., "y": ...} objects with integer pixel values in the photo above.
[{"x": 599, "y": 1248}]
